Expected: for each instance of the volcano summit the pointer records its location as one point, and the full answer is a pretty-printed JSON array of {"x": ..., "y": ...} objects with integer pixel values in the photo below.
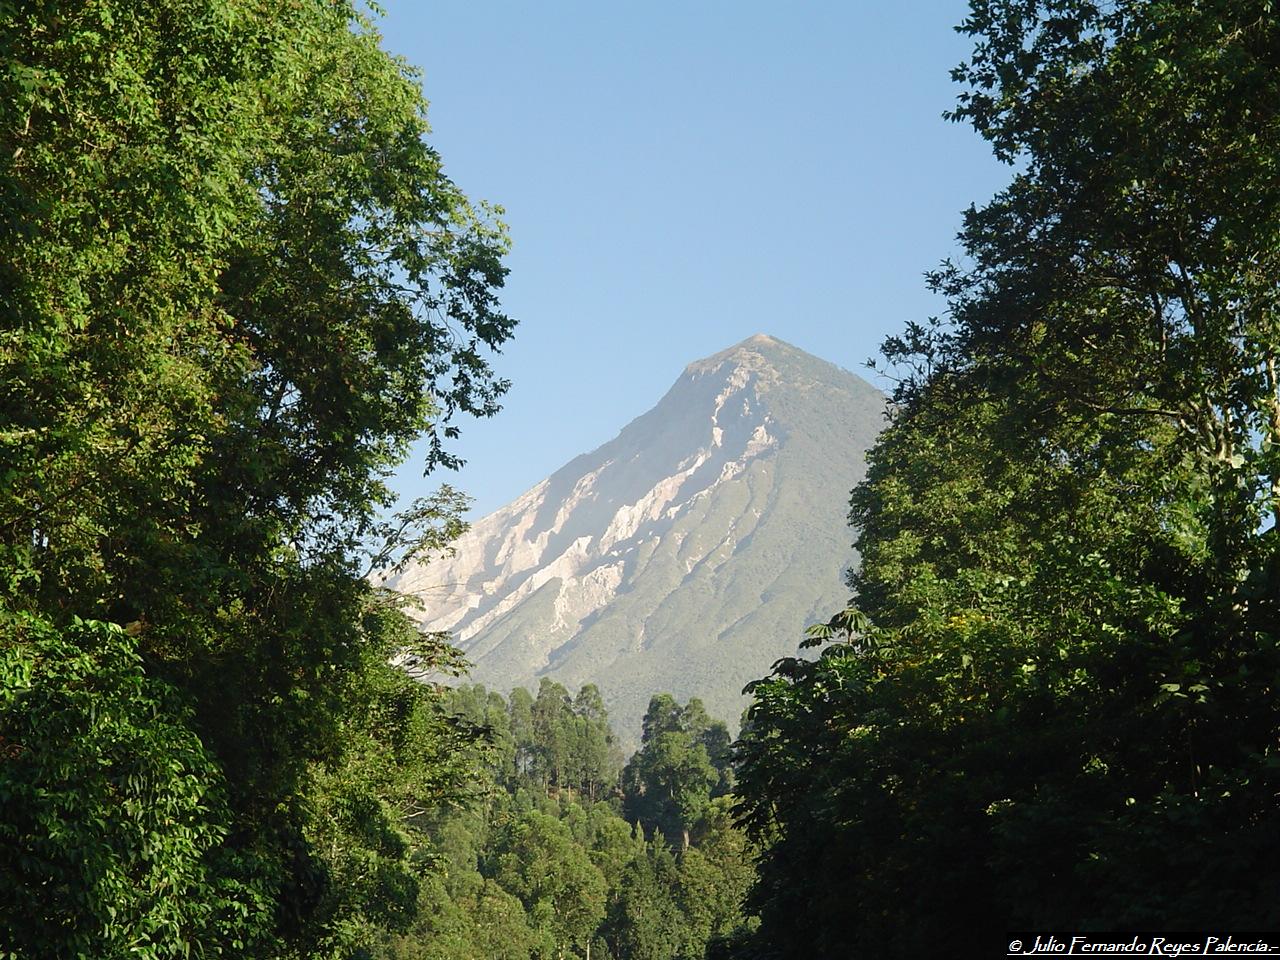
[{"x": 686, "y": 555}]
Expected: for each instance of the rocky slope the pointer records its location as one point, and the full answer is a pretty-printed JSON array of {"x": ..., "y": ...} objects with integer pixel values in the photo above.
[{"x": 686, "y": 555}]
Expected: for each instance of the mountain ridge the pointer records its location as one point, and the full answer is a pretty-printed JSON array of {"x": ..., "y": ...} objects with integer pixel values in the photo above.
[{"x": 684, "y": 555}]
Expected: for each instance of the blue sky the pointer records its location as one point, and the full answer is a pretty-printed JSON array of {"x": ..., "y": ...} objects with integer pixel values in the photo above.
[{"x": 679, "y": 176}]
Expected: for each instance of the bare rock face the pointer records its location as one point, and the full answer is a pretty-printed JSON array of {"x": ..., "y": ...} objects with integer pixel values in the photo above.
[{"x": 684, "y": 556}]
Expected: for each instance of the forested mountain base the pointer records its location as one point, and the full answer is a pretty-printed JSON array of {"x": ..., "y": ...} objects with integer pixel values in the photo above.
[
  {"x": 679, "y": 556},
  {"x": 564, "y": 852}
]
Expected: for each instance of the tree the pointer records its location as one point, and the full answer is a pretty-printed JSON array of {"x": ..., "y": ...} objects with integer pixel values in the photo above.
[
  {"x": 520, "y": 709},
  {"x": 469, "y": 917},
  {"x": 596, "y": 755},
  {"x": 715, "y": 875},
  {"x": 112, "y": 815},
  {"x": 237, "y": 285},
  {"x": 487, "y": 712},
  {"x": 645, "y": 922},
  {"x": 663, "y": 716},
  {"x": 405, "y": 757},
  {"x": 669, "y": 780},
  {"x": 563, "y": 741},
  {"x": 1049, "y": 699},
  {"x": 715, "y": 739},
  {"x": 562, "y": 891},
  {"x": 553, "y": 732},
  {"x": 611, "y": 843},
  {"x": 581, "y": 878}
]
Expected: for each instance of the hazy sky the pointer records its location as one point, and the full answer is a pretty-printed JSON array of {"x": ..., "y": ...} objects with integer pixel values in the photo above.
[{"x": 679, "y": 176}]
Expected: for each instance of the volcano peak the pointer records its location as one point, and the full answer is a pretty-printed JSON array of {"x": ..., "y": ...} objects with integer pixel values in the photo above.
[{"x": 685, "y": 555}]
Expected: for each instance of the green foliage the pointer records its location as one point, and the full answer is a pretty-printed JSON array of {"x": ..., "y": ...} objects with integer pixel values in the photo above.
[
  {"x": 668, "y": 783},
  {"x": 113, "y": 817},
  {"x": 467, "y": 917},
  {"x": 540, "y": 867},
  {"x": 562, "y": 741},
  {"x": 1053, "y": 705},
  {"x": 236, "y": 286},
  {"x": 645, "y": 922},
  {"x": 715, "y": 874},
  {"x": 563, "y": 892},
  {"x": 403, "y": 757}
]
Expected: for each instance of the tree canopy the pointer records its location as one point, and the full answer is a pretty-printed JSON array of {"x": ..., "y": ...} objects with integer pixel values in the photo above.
[
  {"x": 683, "y": 761},
  {"x": 237, "y": 284},
  {"x": 550, "y": 868},
  {"x": 1052, "y": 702}
]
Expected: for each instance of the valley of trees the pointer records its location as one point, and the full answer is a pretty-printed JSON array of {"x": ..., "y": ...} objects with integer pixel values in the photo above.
[
  {"x": 565, "y": 851},
  {"x": 237, "y": 285}
]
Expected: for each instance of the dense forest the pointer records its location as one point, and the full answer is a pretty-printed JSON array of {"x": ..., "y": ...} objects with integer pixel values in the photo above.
[
  {"x": 1053, "y": 700},
  {"x": 565, "y": 851},
  {"x": 237, "y": 285}
]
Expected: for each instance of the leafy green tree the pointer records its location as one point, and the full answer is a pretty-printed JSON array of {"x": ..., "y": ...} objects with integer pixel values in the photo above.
[
  {"x": 487, "y": 711},
  {"x": 597, "y": 758},
  {"x": 715, "y": 876},
  {"x": 468, "y": 917},
  {"x": 553, "y": 733},
  {"x": 562, "y": 890},
  {"x": 405, "y": 757},
  {"x": 663, "y": 716},
  {"x": 520, "y": 711},
  {"x": 113, "y": 817},
  {"x": 582, "y": 879},
  {"x": 563, "y": 741},
  {"x": 589, "y": 704},
  {"x": 714, "y": 737},
  {"x": 645, "y": 922},
  {"x": 1050, "y": 705},
  {"x": 611, "y": 842},
  {"x": 237, "y": 285},
  {"x": 668, "y": 782}
]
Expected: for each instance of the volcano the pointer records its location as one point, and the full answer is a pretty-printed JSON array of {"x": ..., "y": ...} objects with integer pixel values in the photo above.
[{"x": 686, "y": 555}]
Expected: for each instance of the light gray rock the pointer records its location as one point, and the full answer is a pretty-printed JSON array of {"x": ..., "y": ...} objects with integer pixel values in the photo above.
[{"x": 684, "y": 556}]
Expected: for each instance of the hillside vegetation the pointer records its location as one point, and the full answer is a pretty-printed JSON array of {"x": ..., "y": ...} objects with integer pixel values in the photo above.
[
  {"x": 564, "y": 851},
  {"x": 237, "y": 285}
]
